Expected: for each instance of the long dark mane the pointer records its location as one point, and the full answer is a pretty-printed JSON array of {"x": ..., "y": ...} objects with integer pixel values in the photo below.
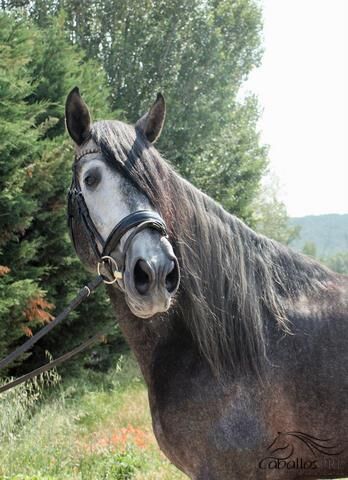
[{"x": 233, "y": 279}]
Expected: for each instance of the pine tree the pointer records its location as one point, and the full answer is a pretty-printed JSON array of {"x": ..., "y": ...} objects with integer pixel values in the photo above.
[
  {"x": 21, "y": 299},
  {"x": 39, "y": 271}
]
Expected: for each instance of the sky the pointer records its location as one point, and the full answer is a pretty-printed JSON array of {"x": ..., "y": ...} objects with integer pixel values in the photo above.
[{"x": 302, "y": 88}]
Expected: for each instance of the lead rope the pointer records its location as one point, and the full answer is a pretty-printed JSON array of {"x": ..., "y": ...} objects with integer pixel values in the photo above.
[
  {"x": 80, "y": 297},
  {"x": 52, "y": 364}
]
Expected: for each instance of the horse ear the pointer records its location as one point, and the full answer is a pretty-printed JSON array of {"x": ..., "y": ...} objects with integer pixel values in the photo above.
[
  {"x": 151, "y": 123},
  {"x": 77, "y": 117}
]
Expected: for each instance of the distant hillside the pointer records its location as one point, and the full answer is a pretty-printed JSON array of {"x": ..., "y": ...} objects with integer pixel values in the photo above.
[{"x": 328, "y": 232}]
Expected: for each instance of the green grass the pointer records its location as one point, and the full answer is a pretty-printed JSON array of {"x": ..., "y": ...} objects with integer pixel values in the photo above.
[
  {"x": 93, "y": 427},
  {"x": 96, "y": 426}
]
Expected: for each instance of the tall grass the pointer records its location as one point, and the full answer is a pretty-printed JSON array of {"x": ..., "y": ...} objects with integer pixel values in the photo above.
[
  {"x": 18, "y": 404},
  {"x": 96, "y": 426}
]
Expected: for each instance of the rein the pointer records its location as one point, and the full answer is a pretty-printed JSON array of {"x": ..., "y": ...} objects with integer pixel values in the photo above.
[
  {"x": 77, "y": 209},
  {"x": 80, "y": 297}
]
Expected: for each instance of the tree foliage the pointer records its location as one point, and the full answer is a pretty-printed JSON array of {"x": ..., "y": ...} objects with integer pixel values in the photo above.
[
  {"x": 198, "y": 53},
  {"x": 39, "y": 271},
  {"x": 271, "y": 218},
  {"x": 337, "y": 262},
  {"x": 310, "y": 249}
]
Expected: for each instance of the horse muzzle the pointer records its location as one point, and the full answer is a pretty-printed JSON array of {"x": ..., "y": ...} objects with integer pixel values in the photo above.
[{"x": 152, "y": 276}]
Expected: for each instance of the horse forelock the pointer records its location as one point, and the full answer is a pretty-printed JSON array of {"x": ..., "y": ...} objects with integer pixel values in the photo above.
[{"x": 232, "y": 278}]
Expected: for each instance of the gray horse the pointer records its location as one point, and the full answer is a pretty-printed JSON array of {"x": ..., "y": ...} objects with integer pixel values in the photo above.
[{"x": 242, "y": 342}]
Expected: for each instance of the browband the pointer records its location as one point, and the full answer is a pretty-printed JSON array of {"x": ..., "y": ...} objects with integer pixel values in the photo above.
[{"x": 86, "y": 152}]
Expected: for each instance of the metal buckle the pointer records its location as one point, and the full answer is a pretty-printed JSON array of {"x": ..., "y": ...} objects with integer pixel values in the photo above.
[{"x": 114, "y": 269}]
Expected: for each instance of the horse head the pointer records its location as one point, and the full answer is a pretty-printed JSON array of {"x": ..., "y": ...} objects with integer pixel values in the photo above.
[{"x": 112, "y": 220}]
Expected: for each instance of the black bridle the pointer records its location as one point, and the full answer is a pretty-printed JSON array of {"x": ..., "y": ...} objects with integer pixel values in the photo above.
[
  {"x": 136, "y": 221},
  {"x": 78, "y": 211}
]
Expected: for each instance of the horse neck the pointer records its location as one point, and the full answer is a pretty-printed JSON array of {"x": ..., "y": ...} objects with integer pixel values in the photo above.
[
  {"x": 142, "y": 336},
  {"x": 230, "y": 277}
]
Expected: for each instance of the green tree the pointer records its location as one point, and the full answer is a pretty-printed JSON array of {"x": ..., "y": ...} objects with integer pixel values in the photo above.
[
  {"x": 18, "y": 149},
  {"x": 338, "y": 262},
  {"x": 39, "y": 270},
  {"x": 270, "y": 215},
  {"x": 310, "y": 249},
  {"x": 198, "y": 53}
]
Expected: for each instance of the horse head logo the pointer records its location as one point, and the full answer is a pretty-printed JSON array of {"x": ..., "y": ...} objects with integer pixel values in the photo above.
[{"x": 285, "y": 445}]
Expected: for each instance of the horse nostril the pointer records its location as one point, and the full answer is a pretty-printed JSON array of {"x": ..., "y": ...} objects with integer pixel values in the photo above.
[
  {"x": 172, "y": 277},
  {"x": 142, "y": 277}
]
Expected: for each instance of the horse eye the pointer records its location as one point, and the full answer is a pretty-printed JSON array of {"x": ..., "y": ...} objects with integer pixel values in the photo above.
[{"x": 91, "y": 180}]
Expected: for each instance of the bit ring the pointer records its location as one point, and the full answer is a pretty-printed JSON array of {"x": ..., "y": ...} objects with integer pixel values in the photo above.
[{"x": 114, "y": 269}]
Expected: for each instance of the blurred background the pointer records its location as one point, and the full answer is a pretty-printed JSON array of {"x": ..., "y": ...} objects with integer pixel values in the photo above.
[{"x": 256, "y": 108}]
